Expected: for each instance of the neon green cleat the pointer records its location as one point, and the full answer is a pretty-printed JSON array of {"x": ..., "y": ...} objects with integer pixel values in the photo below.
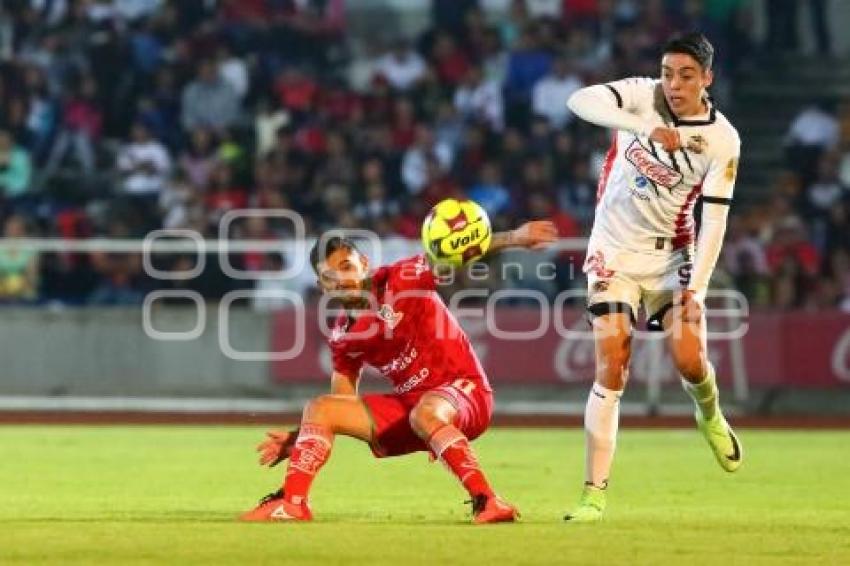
[
  {"x": 590, "y": 506},
  {"x": 720, "y": 436}
]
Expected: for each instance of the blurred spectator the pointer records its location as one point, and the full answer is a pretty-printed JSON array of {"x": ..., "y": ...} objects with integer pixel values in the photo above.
[
  {"x": 233, "y": 71},
  {"x": 794, "y": 261},
  {"x": 15, "y": 167},
  {"x": 439, "y": 184},
  {"x": 473, "y": 154},
  {"x": 133, "y": 10},
  {"x": 535, "y": 180},
  {"x": 267, "y": 121},
  {"x": 824, "y": 295},
  {"x": 449, "y": 60},
  {"x": 474, "y": 35},
  {"x": 403, "y": 123},
  {"x": 697, "y": 14},
  {"x": 19, "y": 266},
  {"x": 567, "y": 262},
  {"x": 81, "y": 128},
  {"x": 450, "y": 15},
  {"x": 839, "y": 269},
  {"x": 820, "y": 27},
  {"x": 223, "y": 194},
  {"x": 540, "y": 140},
  {"x": 402, "y": 67},
  {"x": 489, "y": 191},
  {"x": 527, "y": 64},
  {"x": 449, "y": 127},
  {"x": 740, "y": 243},
  {"x": 518, "y": 19},
  {"x": 480, "y": 100},
  {"x": 250, "y": 97},
  {"x": 824, "y": 194},
  {"x": 752, "y": 283},
  {"x": 815, "y": 125},
  {"x": 562, "y": 158},
  {"x": 268, "y": 183},
  {"x": 414, "y": 168},
  {"x": 297, "y": 91},
  {"x": 376, "y": 203},
  {"x": 311, "y": 29},
  {"x": 120, "y": 273},
  {"x": 208, "y": 100},
  {"x": 744, "y": 259},
  {"x": 200, "y": 158},
  {"x": 783, "y": 20},
  {"x": 494, "y": 59},
  {"x": 578, "y": 193},
  {"x": 337, "y": 165},
  {"x": 42, "y": 112},
  {"x": 655, "y": 20},
  {"x": 146, "y": 48},
  {"x": 182, "y": 206},
  {"x": 144, "y": 163},
  {"x": 814, "y": 130},
  {"x": 549, "y": 94},
  {"x": 838, "y": 228}
]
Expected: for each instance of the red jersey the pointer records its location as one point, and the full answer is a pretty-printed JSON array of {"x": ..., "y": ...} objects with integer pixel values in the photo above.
[{"x": 412, "y": 338}]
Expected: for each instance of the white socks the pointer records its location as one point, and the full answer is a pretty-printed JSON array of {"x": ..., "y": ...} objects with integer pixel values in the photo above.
[
  {"x": 704, "y": 394},
  {"x": 601, "y": 419}
]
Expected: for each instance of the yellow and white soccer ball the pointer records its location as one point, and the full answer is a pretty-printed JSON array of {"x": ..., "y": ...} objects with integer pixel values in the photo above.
[{"x": 456, "y": 232}]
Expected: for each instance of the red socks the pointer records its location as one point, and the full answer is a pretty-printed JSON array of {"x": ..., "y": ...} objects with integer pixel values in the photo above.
[
  {"x": 452, "y": 447},
  {"x": 310, "y": 452},
  {"x": 313, "y": 448}
]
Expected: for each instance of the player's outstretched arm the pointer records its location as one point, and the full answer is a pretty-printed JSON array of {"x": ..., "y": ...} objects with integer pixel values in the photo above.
[
  {"x": 616, "y": 106},
  {"x": 534, "y": 235}
]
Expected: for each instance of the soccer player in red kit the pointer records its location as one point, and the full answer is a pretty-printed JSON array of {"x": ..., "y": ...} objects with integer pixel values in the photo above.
[{"x": 395, "y": 322}]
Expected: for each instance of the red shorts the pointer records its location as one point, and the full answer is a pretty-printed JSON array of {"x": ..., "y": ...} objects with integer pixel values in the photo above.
[{"x": 390, "y": 415}]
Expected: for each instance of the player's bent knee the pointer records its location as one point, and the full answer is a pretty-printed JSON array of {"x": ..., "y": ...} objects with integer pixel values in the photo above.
[
  {"x": 425, "y": 418},
  {"x": 317, "y": 410}
]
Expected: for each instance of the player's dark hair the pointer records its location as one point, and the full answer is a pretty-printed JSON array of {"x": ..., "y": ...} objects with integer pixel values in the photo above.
[
  {"x": 694, "y": 44},
  {"x": 324, "y": 247}
]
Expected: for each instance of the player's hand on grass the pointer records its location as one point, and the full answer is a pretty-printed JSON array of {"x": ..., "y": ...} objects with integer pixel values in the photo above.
[
  {"x": 535, "y": 235},
  {"x": 276, "y": 447},
  {"x": 667, "y": 137}
]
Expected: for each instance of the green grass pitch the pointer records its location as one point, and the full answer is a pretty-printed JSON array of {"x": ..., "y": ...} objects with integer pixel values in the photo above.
[{"x": 169, "y": 495}]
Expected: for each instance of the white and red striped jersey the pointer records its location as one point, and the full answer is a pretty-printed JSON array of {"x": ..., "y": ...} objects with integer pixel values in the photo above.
[{"x": 646, "y": 196}]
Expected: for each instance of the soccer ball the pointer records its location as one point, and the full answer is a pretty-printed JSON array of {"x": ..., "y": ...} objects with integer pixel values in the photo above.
[{"x": 456, "y": 232}]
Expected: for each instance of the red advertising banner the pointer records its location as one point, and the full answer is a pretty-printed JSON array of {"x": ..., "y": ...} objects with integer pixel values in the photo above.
[{"x": 532, "y": 345}]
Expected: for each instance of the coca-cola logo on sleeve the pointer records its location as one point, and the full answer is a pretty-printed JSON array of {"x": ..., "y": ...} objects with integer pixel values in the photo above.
[{"x": 650, "y": 167}]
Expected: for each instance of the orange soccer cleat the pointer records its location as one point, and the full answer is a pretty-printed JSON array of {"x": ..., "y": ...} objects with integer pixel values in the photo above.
[
  {"x": 274, "y": 507},
  {"x": 492, "y": 509}
]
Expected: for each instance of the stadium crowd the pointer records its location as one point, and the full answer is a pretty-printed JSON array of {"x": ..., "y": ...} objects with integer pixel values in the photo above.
[{"x": 123, "y": 116}]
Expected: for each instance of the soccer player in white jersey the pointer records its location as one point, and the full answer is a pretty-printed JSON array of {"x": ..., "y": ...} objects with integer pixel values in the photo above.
[{"x": 671, "y": 147}]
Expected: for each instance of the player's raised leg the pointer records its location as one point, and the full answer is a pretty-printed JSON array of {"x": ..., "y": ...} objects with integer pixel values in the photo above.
[
  {"x": 324, "y": 417},
  {"x": 432, "y": 419},
  {"x": 686, "y": 335},
  {"x": 612, "y": 336}
]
